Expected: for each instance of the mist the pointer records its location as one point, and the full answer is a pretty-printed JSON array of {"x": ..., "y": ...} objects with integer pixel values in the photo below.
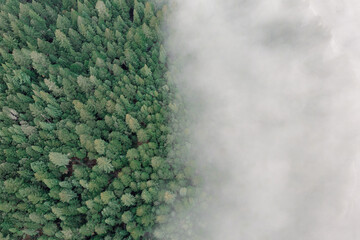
[{"x": 275, "y": 99}]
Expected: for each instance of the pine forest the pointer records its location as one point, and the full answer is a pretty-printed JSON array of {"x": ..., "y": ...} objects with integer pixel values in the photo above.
[{"x": 89, "y": 123}]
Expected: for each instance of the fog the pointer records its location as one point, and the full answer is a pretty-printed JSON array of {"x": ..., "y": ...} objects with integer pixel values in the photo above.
[{"x": 274, "y": 94}]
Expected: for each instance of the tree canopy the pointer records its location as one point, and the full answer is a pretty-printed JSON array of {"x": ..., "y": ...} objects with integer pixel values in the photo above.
[{"x": 85, "y": 118}]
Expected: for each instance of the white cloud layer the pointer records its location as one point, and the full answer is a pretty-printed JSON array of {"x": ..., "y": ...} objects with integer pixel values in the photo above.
[{"x": 275, "y": 89}]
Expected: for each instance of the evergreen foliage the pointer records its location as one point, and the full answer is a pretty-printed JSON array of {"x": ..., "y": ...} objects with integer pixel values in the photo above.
[{"x": 87, "y": 151}]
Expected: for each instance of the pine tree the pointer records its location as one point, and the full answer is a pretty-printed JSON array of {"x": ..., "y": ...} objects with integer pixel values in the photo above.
[
  {"x": 128, "y": 199},
  {"x": 105, "y": 165},
  {"x": 102, "y": 10},
  {"x": 66, "y": 195},
  {"x": 63, "y": 40},
  {"x": 59, "y": 159},
  {"x": 132, "y": 123},
  {"x": 40, "y": 62}
]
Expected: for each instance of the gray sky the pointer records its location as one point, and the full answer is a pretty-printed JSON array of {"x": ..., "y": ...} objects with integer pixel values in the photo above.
[{"x": 277, "y": 115}]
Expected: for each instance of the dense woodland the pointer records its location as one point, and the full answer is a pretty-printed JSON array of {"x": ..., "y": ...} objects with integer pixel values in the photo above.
[{"x": 88, "y": 124}]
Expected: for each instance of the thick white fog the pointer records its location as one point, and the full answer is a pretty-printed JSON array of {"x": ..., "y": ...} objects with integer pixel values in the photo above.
[{"x": 275, "y": 95}]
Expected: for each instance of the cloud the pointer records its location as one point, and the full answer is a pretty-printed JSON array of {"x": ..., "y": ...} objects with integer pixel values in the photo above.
[{"x": 275, "y": 103}]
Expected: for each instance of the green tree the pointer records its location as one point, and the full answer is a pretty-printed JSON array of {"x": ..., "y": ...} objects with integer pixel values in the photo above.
[
  {"x": 63, "y": 40},
  {"x": 105, "y": 165},
  {"x": 102, "y": 10},
  {"x": 132, "y": 123},
  {"x": 128, "y": 200},
  {"x": 100, "y": 146},
  {"x": 59, "y": 159},
  {"x": 40, "y": 62},
  {"x": 66, "y": 195}
]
